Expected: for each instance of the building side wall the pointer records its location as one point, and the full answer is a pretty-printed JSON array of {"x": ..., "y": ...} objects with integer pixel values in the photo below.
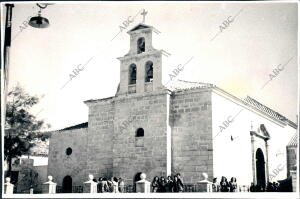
[
  {"x": 191, "y": 134},
  {"x": 233, "y": 158},
  {"x": 147, "y": 154},
  {"x": 60, "y": 164},
  {"x": 100, "y": 139}
]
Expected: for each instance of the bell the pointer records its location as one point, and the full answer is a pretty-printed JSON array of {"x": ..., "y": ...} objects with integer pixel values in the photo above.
[{"x": 39, "y": 22}]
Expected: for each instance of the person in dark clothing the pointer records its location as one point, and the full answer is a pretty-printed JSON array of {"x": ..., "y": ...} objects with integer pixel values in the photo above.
[
  {"x": 270, "y": 187},
  {"x": 224, "y": 184},
  {"x": 169, "y": 186},
  {"x": 233, "y": 185},
  {"x": 103, "y": 185},
  {"x": 155, "y": 184},
  {"x": 180, "y": 181},
  {"x": 162, "y": 185},
  {"x": 215, "y": 186},
  {"x": 178, "y": 185},
  {"x": 252, "y": 187}
]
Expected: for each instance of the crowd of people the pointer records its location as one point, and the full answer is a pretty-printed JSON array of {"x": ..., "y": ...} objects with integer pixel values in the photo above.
[
  {"x": 113, "y": 185},
  {"x": 231, "y": 186},
  {"x": 169, "y": 184},
  {"x": 224, "y": 185},
  {"x": 175, "y": 184},
  {"x": 271, "y": 187}
]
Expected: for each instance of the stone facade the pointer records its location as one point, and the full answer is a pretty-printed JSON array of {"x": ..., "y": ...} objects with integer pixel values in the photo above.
[
  {"x": 74, "y": 165},
  {"x": 192, "y": 151},
  {"x": 149, "y": 128}
]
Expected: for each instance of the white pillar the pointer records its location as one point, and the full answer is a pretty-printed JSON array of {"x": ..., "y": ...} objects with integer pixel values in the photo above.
[
  {"x": 90, "y": 186},
  {"x": 8, "y": 187},
  {"x": 204, "y": 185},
  {"x": 143, "y": 186},
  {"x": 49, "y": 187}
]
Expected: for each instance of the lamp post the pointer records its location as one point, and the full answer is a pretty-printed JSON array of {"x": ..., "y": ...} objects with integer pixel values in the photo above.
[{"x": 36, "y": 22}]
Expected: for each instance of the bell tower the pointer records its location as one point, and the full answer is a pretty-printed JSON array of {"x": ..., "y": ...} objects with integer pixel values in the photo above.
[{"x": 141, "y": 67}]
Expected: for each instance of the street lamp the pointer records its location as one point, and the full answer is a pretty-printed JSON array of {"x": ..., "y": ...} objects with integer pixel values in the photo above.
[{"x": 39, "y": 21}]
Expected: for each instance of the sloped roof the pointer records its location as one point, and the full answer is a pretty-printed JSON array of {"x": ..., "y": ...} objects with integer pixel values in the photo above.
[
  {"x": 78, "y": 126},
  {"x": 177, "y": 85},
  {"x": 180, "y": 85},
  {"x": 139, "y": 27},
  {"x": 294, "y": 141}
]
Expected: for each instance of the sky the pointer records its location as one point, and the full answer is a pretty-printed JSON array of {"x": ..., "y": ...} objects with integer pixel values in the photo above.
[{"x": 238, "y": 55}]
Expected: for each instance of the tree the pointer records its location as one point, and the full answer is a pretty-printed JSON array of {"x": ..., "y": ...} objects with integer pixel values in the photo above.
[{"x": 21, "y": 127}]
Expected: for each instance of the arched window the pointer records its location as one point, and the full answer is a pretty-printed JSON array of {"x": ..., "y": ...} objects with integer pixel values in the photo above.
[
  {"x": 149, "y": 71},
  {"x": 132, "y": 74},
  {"x": 140, "y": 45},
  {"x": 69, "y": 151},
  {"x": 139, "y": 132}
]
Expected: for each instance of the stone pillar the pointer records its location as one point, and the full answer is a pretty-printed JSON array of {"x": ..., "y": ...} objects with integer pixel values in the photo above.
[
  {"x": 49, "y": 187},
  {"x": 204, "y": 185},
  {"x": 90, "y": 186},
  {"x": 267, "y": 161},
  {"x": 253, "y": 158},
  {"x": 143, "y": 186},
  {"x": 8, "y": 187},
  {"x": 294, "y": 180}
]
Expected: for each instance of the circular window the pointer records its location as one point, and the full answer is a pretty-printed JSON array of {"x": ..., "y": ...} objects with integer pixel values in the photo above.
[
  {"x": 69, "y": 151},
  {"x": 140, "y": 132}
]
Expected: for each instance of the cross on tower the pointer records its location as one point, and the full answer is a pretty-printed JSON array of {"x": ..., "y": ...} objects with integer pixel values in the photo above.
[{"x": 144, "y": 13}]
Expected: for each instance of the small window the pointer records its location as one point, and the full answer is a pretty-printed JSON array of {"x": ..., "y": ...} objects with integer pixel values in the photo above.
[
  {"x": 132, "y": 74},
  {"x": 140, "y": 132},
  {"x": 69, "y": 151},
  {"x": 149, "y": 71},
  {"x": 140, "y": 45}
]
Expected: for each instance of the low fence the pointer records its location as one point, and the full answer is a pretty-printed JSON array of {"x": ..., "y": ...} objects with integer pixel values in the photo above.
[
  {"x": 75, "y": 189},
  {"x": 130, "y": 188}
]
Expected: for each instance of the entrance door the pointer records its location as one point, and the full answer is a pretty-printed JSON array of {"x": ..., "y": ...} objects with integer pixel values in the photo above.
[
  {"x": 260, "y": 168},
  {"x": 67, "y": 185}
]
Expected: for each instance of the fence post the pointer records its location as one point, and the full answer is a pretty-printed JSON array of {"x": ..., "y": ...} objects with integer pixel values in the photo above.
[
  {"x": 143, "y": 186},
  {"x": 49, "y": 187},
  {"x": 90, "y": 186},
  {"x": 8, "y": 187},
  {"x": 204, "y": 185}
]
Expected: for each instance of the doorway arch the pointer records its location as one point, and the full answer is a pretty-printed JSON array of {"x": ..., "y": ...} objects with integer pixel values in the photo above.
[
  {"x": 260, "y": 168},
  {"x": 67, "y": 184}
]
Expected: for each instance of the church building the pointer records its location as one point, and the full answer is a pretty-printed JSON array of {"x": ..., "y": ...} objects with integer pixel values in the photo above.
[{"x": 189, "y": 128}]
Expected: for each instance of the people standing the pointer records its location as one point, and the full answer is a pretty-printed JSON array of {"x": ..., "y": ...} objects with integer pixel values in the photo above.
[
  {"x": 103, "y": 185},
  {"x": 180, "y": 182},
  {"x": 162, "y": 185},
  {"x": 178, "y": 185},
  {"x": 115, "y": 187},
  {"x": 215, "y": 186},
  {"x": 169, "y": 185},
  {"x": 233, "y": 185},
  {"x": 155, "y": 184},
  {"x": 121, "y": 185},
  {"x": 224, "y": 184}
]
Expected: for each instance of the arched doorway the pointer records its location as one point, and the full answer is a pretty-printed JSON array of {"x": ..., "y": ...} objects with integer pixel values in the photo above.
[
  {"x": 136, "y": 178},
  {"x": 260, "y": 168},
  {"x": 67, "y": 185}
]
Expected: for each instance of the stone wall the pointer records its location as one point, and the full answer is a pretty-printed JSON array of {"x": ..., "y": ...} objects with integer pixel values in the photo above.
[
  {"x": 147, "y": 154},
  {"x": 60, "y": 164},
  {"x": 291, "y": 159},
  {"x": 191, "y": 121},
  {"x": 100, "y": 138}
]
